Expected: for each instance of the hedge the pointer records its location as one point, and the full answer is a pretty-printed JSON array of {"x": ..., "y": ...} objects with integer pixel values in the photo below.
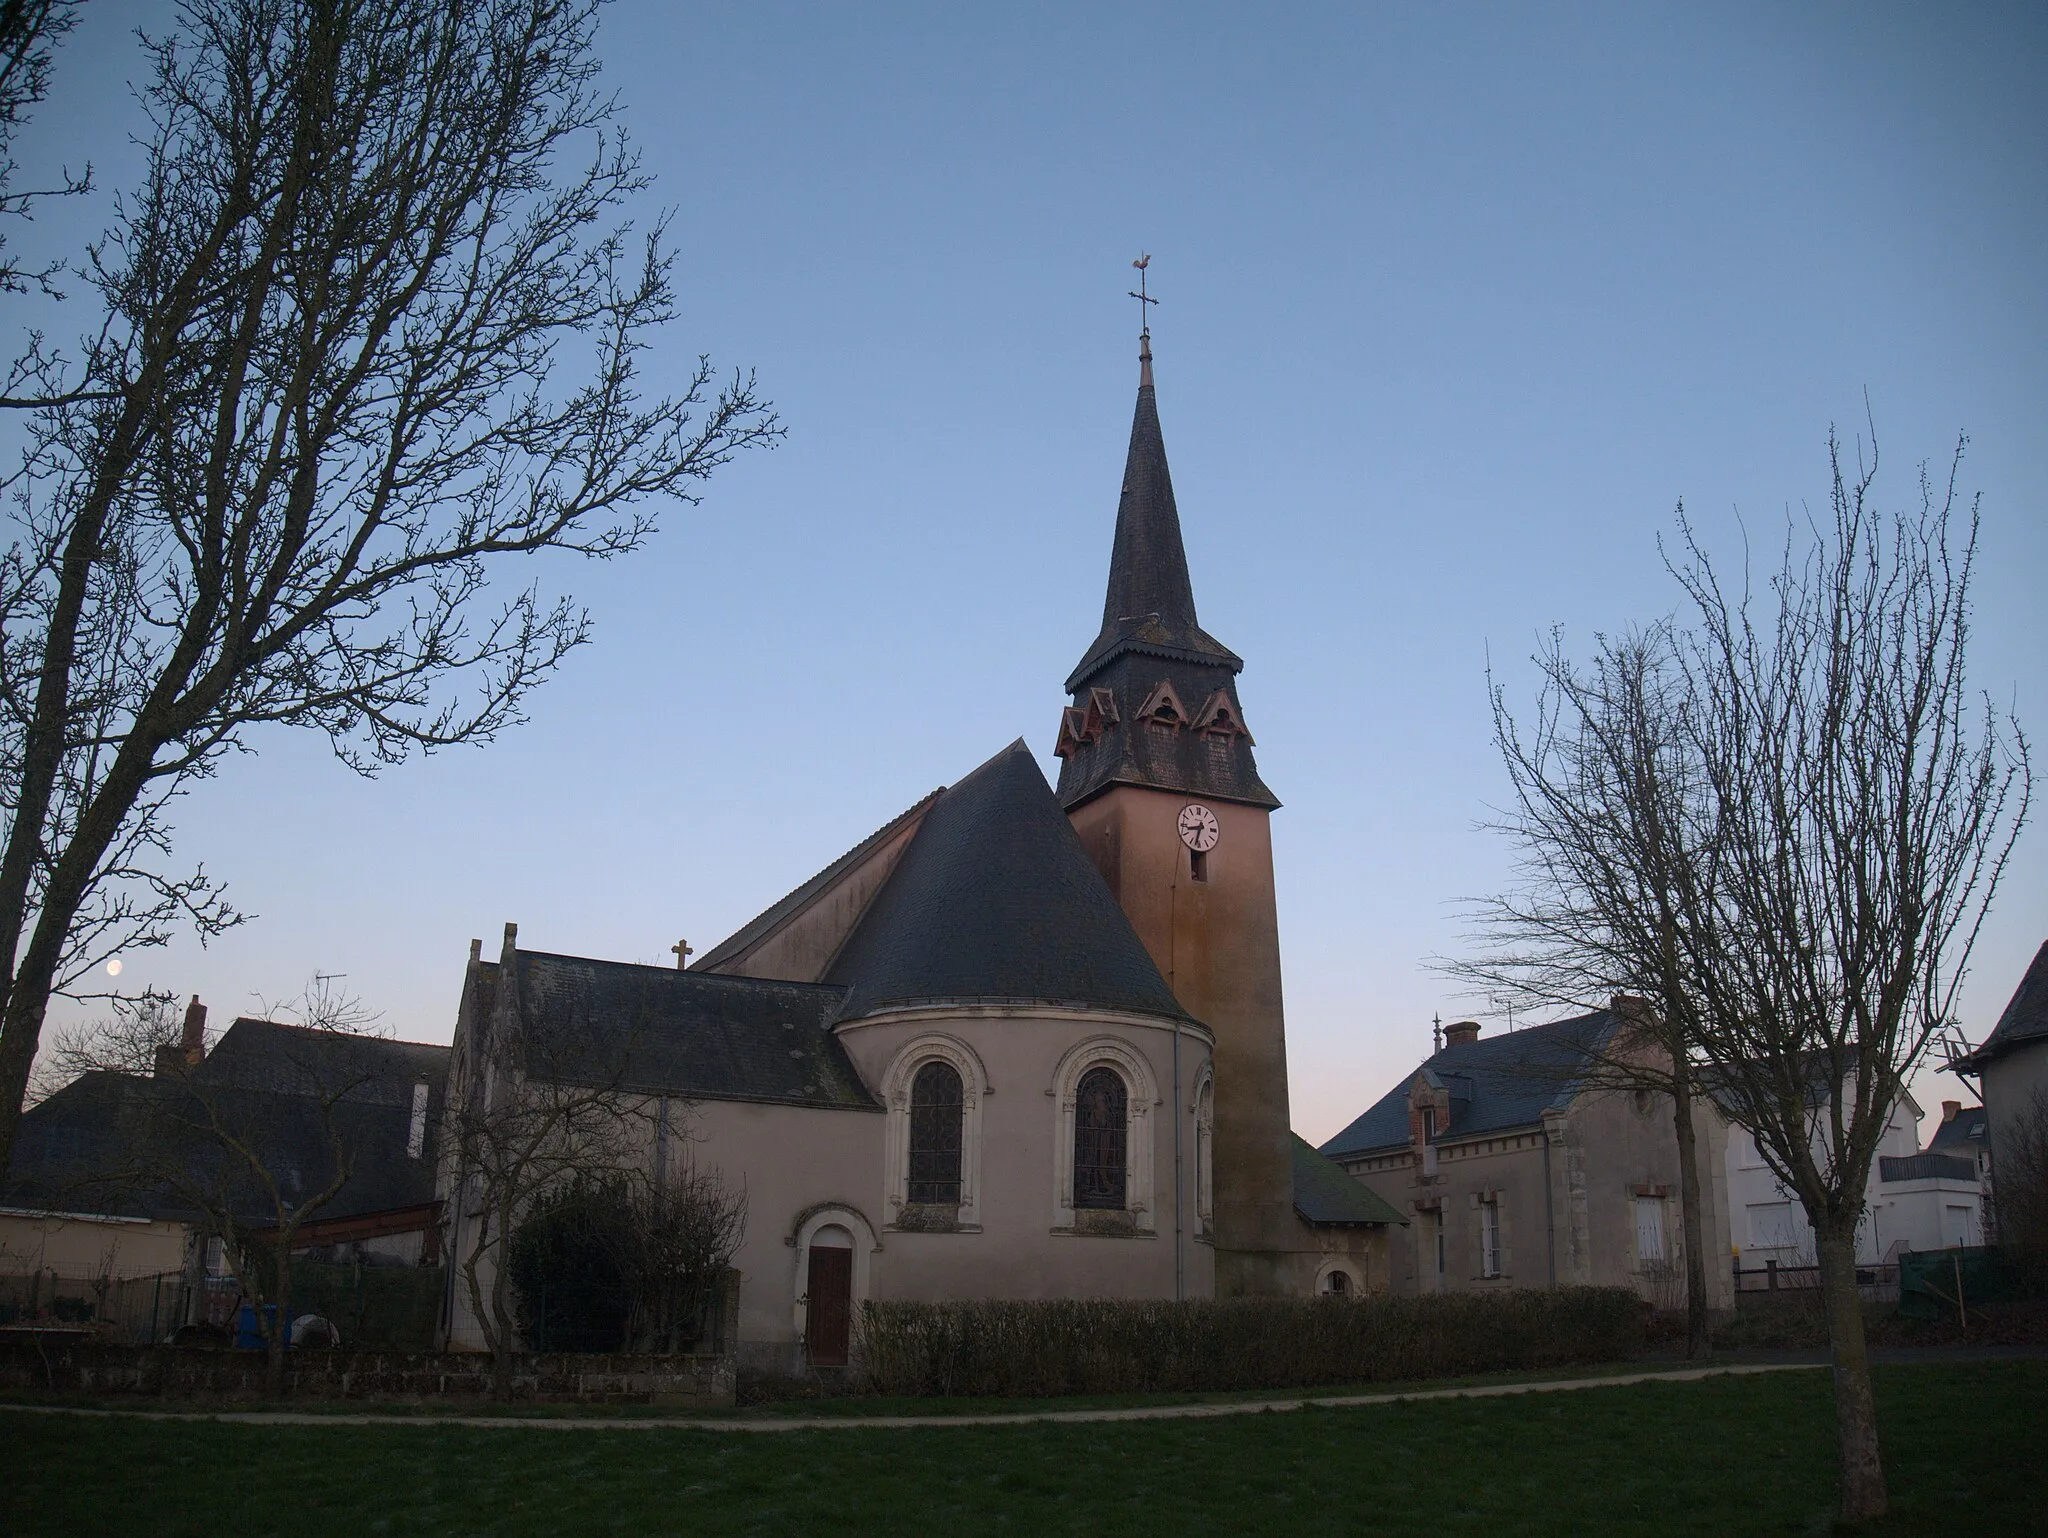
[{"x": 1045, "y": 1348}]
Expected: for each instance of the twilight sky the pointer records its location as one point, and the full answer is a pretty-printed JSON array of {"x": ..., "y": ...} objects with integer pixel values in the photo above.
[{"x": 1458, "y": 302}]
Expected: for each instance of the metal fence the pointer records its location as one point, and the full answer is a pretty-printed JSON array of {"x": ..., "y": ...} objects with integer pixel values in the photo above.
[
  {"x": 392, "y": 1308},
  {"x": 1875, "y": 1284},
  {"x": 125, "y": 1308}
]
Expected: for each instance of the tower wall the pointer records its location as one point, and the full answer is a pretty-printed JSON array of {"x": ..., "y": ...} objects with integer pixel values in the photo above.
[{"x": 1218, "y": 944}]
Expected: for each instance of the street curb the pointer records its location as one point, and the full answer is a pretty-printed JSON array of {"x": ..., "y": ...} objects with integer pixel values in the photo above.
[{"x": 922, "y": 1422}]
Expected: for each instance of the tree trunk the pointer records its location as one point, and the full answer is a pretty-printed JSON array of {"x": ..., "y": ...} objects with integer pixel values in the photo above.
[
  {"x": 501, "y": 1311},
  {"x": 279, "y": 1335},
  {"x": 494, "y": 1337},
  {"x": 21, "y": 1031},
  {"x": 1699, "y": 1342},
  {"x": 501, "y": 1369},
  {"x": 1862, "y": 1470}
]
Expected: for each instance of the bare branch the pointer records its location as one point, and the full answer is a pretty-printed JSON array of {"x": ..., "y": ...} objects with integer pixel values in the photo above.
[{"x": 372, "y": 328}]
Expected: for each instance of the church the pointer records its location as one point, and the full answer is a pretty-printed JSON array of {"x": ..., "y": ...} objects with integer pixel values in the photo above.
[{"x": 1023, "y": 1041}]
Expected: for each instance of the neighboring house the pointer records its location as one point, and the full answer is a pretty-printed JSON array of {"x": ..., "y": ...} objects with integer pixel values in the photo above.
[
  {"x": 1964, "y": 1133},
  {"x": 1023, "y": 1042},
  {"x": 1520, "y": 1170},
  {"x": 102, "y": 1173},
  {"x": 2011, "y": 1066},
  {"x": 1913, "y": 1200}
]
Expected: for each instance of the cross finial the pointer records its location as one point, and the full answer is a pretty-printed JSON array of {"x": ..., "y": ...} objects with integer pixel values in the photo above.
[
  {"x": 1436, "y": 1034},
  {"x": 1145, "y": 301},
  {"x": 683, "y": 952}
]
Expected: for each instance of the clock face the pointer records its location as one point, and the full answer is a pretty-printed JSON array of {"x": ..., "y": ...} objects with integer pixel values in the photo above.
[{"x": 1199, "y": 829}]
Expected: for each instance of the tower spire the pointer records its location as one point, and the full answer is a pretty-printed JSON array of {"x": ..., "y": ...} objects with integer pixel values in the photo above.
[
  {"x": 1145, "y": 303},
  {"x": 1150, "y": 602},
  {"x": 1155, "y": 702}
]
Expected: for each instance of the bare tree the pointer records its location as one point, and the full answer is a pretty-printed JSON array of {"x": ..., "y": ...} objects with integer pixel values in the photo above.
[
  {"x": 516, "y": 1128},
  {"x": 1782, "y": 825},
  {"x": 367, "y": 331},
  {"x": 1865, "y": 806},
  {"x": 687, "y": 1226},
  {"x": 129, "y": 1039},
  {"x": 1608, "y": 820},
  {"x": 29, "y": 33},
  {"x": 258, "y": 1147}
]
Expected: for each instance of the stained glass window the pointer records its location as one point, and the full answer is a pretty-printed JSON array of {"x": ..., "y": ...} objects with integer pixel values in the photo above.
[
  {"x": 1100, "y": 1139},
  {"x": 936, "y": 1110}
]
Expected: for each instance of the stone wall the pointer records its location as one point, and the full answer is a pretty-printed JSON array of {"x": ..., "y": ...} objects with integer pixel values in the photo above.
[{"x": 45, "y": 1363}]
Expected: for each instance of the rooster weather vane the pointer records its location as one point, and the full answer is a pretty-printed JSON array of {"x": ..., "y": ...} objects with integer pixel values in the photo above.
[{"x": 1144, "y": 299}]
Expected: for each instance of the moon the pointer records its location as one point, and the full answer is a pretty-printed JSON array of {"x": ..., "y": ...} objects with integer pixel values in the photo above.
[{"x": 114, "y": 967}]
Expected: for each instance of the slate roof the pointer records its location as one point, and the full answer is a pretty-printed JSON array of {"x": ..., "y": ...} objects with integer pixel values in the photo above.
[
  {"x": 995, "y": 901},
  {"x": 1497, "y": 1083},
  {"x": 75, "y": 1151},
  {"x": 106, "y": 1142},
  {"x": 2025, "y": 1019},
  {"x": 1200, "y": 764},
  {"x": 1150, "y": 603},
  {"x": 297, "y": 1059},
  {"x": 695, "y": 1035},
  {"x": 1324, "y": 1195},
  {"x": 1150, "y": 636},
  {"x": 1962, "y": 1133},
  {"x": 776, "y": 914}
]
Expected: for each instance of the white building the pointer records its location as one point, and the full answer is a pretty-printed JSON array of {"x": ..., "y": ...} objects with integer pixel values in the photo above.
[{"x": 1914, "y": 1201}]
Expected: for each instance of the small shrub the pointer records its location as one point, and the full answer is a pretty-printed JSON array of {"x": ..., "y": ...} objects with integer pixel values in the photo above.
[
  {"x": 565, "y": 1271},
  {"x": 612, "y": 1264},
  {"x": 1058, "y": 1347}
]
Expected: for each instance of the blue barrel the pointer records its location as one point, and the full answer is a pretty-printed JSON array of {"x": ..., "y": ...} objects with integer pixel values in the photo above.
[{"x": 248, "y": 1333}]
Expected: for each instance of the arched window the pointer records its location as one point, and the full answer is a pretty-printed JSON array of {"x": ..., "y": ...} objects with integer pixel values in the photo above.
[
  {"x": 1101, "y": 1122},
  {"x": 1205, "y": 1153},
  {"x": 936, "y": 1111}
]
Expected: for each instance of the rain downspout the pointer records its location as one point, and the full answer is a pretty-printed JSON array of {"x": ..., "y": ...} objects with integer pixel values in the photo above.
[
  {"x": 1179, "y": 1267},
  {"x": 1172, "y": 983},
  {"x": 1549, "y": 1209}
]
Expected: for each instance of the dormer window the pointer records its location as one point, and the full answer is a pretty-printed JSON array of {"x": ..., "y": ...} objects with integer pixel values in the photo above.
[
  {"x": 1162, "y": 707},
  {"x": 1218, "y": 717}
]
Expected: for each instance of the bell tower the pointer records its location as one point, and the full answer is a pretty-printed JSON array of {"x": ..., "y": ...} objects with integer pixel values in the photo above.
[{"x": 1157, "y": 777}]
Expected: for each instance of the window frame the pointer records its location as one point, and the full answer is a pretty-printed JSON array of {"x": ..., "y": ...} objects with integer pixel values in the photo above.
[
  {"x": 937, "y": 1134},
  {"x": 898, "y": 1081},
  {"x": 1490, "y": 1267},
  {"x": 1205, "y": 1154},
  {"x": 1141, "y": 1096},
  {"x": 1640, "y": 1204},
  {"x": 1114, "y": 1134}
]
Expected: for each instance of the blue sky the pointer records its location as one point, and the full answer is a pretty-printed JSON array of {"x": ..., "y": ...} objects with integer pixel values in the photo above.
[{"x": 1458, "y": 302}]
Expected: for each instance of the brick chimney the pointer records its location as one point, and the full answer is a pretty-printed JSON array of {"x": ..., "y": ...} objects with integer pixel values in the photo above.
[
  {"x": 1949, "y": 1109},
  {"x": 191, "y": 1045},
  {"x": 1458, "y": 1032}
]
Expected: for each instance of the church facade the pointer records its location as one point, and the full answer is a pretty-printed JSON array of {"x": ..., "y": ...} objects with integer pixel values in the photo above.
[{"x": 1020, "y": 1042}]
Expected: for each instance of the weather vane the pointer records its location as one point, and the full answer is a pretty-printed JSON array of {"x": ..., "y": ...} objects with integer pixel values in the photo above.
[{"x": 1143, "y": 298}]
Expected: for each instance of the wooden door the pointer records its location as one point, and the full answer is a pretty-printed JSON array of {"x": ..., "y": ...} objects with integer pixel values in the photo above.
[{"x": 829, "y": 1316}]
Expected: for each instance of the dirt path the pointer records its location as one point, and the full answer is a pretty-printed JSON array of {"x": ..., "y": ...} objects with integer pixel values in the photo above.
[{"x": 904, "y": 1422}]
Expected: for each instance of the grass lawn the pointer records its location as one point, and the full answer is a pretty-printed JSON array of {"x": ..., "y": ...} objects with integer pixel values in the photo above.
[{"x": 1751, "y": 1455}]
